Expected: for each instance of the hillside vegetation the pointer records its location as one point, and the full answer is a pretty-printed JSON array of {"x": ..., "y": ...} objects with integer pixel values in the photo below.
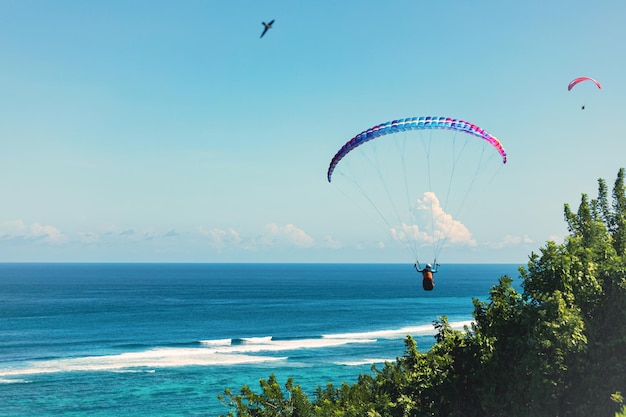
[{"x": 556, "y": 349}]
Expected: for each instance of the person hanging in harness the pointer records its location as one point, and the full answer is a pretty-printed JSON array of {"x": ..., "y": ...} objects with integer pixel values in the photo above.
[{"x": 427, "y": 275}]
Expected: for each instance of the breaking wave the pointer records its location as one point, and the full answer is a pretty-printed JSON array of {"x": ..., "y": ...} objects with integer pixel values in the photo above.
[{"x": 217, "y": 352}]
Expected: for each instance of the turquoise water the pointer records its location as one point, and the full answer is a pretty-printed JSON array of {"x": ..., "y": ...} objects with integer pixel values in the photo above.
[{"x": 166, "y": 339}]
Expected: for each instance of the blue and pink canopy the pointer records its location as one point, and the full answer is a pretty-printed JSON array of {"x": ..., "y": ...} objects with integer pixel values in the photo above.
[{"x": 414, "y": 123}]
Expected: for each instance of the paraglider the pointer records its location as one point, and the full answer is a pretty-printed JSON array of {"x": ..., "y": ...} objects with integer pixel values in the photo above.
[
  {"x": 427, "y": 275},
  {"x": 579, "y": 80},
  {"x": 417, "y": 173}
]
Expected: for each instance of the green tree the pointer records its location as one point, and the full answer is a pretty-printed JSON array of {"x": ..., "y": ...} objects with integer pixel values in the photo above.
[
  {"x": 556, "y": 349},
  {"x": 272, "y": 402}
]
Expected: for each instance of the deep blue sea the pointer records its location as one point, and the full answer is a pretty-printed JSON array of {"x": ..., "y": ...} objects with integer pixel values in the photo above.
[{"x": 166, "y": 339}]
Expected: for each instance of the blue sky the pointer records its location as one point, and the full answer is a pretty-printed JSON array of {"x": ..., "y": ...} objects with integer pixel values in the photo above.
[{"x": 162, "y": 131}]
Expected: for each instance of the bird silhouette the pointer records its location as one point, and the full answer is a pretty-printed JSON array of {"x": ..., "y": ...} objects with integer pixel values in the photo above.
[{"x": 267, "y": 26}]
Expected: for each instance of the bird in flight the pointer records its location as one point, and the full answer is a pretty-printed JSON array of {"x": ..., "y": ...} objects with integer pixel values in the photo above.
[{"x": 267, "y": 26}]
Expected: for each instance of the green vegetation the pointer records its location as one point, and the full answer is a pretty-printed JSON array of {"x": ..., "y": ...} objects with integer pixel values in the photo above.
[{"x": 556, "y": 349}]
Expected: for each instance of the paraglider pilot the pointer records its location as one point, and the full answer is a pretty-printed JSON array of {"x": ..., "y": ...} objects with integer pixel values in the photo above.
[{"x": 427, "y": 275}]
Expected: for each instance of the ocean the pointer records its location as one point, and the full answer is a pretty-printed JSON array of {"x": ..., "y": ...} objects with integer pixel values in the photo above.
[{"x": 166, "y": 339}]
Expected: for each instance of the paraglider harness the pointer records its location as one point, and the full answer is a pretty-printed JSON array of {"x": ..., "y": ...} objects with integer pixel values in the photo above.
[{"x": 427, "y": 274}]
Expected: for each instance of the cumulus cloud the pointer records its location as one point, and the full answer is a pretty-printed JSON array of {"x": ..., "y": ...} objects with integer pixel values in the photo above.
[
  {"x": 363, "y": 245},
  {"x": 150, "y": 235},
  {"x": 510, "y": 240},
  {"x": 329, "y": 242},
  {"x": 12, "y": 229},
  {"x": 112, "y": 233},
  {"x": 557, "y": 239},
  {"x": 409, "y": 232},
  {"x": 219, "y": 238},
  {"x": 18, "y": 230},
  {"x": 436, "y": 225},
  {"x": 273, "y": 235},
  {"x": 171, "y": 233},
  {"x": 290, "y": 234},
  {"x": 88, "y": 237}
]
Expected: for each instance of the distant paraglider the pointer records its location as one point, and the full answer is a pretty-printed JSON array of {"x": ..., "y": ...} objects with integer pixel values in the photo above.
[{"x": 579, "y": 80}]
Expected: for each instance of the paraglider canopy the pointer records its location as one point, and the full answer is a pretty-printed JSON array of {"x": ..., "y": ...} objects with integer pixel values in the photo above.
[
  {"x": 578, "y": 80},
  {"x": 414, "y": 123}
]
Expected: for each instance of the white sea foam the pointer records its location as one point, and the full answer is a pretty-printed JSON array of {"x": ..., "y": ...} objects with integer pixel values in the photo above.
[
  {"x": 264, "y": 339},
  {"x": 14, "y": 381},
  {"x": 364, "y": 362},
  {"x": 458, "y": 325},
  {"x": 217, "y": 342},
  {"x": 422, "y": 330},
  {"x": 269, "y": 345},
  {"x": 135, "y": 371},
  {"x": 178, "y": 357},
  {"x": 253, "y": 350},
  {"x": 145, "y": 361}
]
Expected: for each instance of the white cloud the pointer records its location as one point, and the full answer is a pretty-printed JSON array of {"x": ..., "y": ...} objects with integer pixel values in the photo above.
[
  {"x": 49, "y": 234},
  {"x": 332, "y": 243},
  {"x": 273, "y": 235},
  {"x": 290, "y": 234},
  {"x": 12, "y": 229},
  {"x": 557, "y": 239},
  {"x": 219, "y": 238},
  {"x": 436, "y": 224},
  {"x": 445, "y": 227},
  {"x": 18, "y": 230},
  {"x": 89, "y": 237},
  {"x": 171, "y": 233},
  {"x": 150, "y": 235},
  {"x": 409, "y": 232},
  {"x": 112, "y": 233},
  {"x": 368, "y": 245},
  {"x": 510, "y": 240}
]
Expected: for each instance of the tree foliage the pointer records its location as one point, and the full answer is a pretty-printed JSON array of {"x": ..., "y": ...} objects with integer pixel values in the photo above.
[{"x": 558, "y": 348}]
